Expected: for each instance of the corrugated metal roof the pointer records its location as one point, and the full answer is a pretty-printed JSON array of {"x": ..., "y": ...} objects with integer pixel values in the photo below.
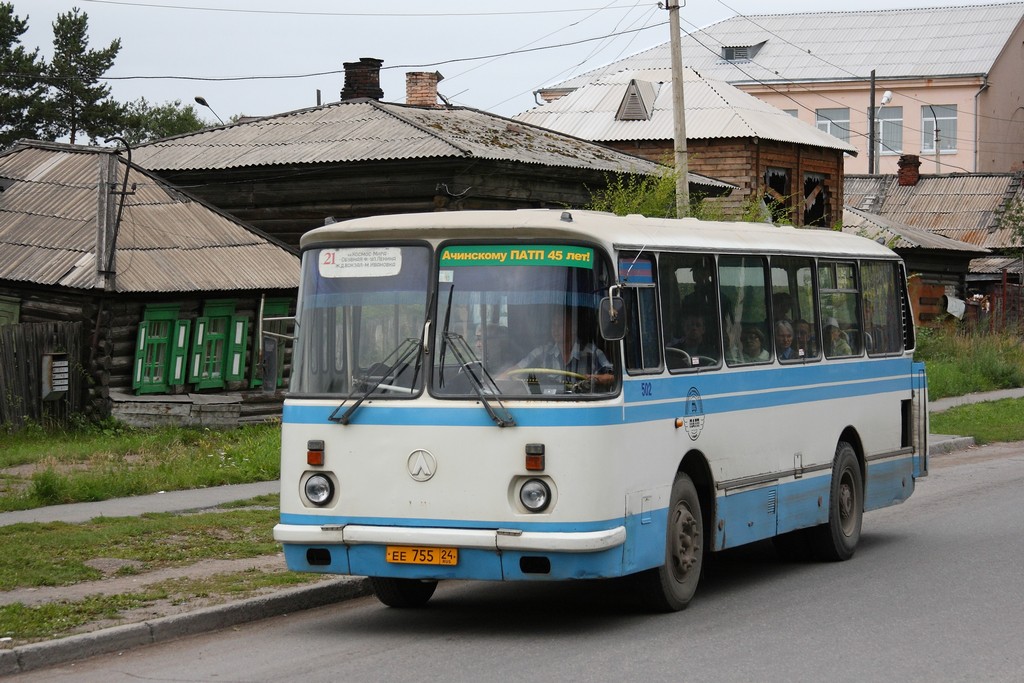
[
  {"x": 167, "y": 242},
  {"x": 714, "y": 110},
  {"x": 966, "y": 206},
  {"x": 896, "y": 235},
  {"x": 995, "y": 265},
  {"x": 838, "y": 46},
  {"x": 368, "y": 130}
]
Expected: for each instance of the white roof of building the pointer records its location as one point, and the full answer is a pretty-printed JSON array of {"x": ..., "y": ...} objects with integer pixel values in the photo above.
[
  {"x": 928, "y": 42},
  {"x": 714, "y": 110}
]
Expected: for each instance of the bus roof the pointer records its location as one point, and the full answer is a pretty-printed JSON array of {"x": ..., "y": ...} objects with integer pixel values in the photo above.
[{"x": 631, "y": 232}]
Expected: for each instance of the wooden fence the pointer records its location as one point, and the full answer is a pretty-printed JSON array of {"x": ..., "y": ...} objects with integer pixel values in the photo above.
[{"x": 41, "y": 373}]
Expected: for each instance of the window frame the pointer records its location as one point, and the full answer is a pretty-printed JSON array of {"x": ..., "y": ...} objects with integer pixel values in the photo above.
[
  {"x": 947, "y": 142},
  {"x": 836, "y": 121}
]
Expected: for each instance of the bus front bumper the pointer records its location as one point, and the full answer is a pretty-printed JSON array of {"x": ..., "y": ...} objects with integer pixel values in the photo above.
[{"x": 489, "y": 554}]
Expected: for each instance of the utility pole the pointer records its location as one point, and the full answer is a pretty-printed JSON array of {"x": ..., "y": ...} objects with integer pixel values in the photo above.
[{"x": 678, "y": 113}]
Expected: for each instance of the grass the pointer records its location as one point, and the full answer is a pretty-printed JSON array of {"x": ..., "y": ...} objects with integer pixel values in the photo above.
[
  {"x": 961, "y": 363},
  {"x": 987, "y": 422},
  {"x": 51, "y": 467},
  {"x": 55, "y": 554},
  {"x": 25, "y": 623}
]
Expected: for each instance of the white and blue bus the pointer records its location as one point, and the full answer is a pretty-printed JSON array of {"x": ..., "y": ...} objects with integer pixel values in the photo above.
[{"x": 548, "y": 395}]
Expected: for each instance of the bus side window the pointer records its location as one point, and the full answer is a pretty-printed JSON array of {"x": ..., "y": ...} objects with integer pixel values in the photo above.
[
  {"x": 840, "y": 307},
  {"x": 883, "y": 333},
  {"x": 794, "y": 311},
  {"x": 746, "y": 326},
  {"x": 689, "y": 311}
]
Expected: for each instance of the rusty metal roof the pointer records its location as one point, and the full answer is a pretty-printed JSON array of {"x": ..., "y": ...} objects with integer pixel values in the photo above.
[
  {"x": 714, "y": 110},
  {"x": 962, "y": 206},
  {"x": 899, "y": 236},
  {"x": 925, "y": 42},
  {"x": 167, "y": 241}
]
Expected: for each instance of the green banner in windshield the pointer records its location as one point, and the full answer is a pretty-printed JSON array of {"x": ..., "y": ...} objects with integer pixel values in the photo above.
[{"x": 525, "y": 255}]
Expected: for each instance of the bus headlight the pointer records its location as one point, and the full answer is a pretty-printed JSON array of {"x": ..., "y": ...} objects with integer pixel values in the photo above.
[
  {"x": 535, "y": 495},
  {"x": 319, "y": 489}
]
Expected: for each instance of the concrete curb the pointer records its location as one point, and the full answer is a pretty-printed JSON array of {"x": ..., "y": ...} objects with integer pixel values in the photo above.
[
  {"x": 78, "y": 647},
  {"x": 949, "y": 444}
]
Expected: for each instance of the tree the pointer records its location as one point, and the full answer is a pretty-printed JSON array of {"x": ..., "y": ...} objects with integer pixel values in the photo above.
[
  {"x": 144, "y": 121},
  {"x": 76, "y": 102},
  {"x": 20, "y": 80}
]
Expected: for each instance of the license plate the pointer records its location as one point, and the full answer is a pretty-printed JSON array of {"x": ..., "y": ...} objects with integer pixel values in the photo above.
[{"x": 404, "y": 554}]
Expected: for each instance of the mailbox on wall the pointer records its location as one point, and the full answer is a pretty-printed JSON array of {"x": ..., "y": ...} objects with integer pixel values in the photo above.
[{"x": 55, "y": 376}]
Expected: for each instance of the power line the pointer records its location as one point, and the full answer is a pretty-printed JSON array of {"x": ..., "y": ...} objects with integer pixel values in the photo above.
[{"x": 388, "y": 15}]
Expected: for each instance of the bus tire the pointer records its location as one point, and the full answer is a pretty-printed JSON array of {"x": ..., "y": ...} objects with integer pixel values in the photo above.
[
  {"x": 837, "y": 540},
  {"x": 402, "y": 593},
  {"x": 671, "y": 587}
]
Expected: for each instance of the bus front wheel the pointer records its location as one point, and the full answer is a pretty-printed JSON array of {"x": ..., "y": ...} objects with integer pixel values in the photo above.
[
  {"x": 671, "y": 587},
  {"x": 402, "y": 592},
  {"x": 836, "y": 540}
]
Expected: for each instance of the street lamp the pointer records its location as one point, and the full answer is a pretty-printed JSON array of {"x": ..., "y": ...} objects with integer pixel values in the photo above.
[
  {"x": 202, "y": 101},
  {"x": 886, "y": 99}
]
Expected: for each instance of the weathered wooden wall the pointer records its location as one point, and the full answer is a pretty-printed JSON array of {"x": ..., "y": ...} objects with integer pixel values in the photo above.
[{"x": 22, "y": 347}]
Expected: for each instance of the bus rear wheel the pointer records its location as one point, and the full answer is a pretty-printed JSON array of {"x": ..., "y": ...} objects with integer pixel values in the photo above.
[
  {"x": 671, "y": 587},
  {"x": 402, "y": 592},
  {"x": 837, "y": 540}
]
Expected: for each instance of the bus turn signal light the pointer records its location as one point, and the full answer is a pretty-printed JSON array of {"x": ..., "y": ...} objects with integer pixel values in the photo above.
[
  {"x": 315, "y": 452},
  {"x": 534, "y": 457}
]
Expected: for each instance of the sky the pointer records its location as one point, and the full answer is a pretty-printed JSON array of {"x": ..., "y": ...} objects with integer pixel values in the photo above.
[{"x": 263, "y": 57}]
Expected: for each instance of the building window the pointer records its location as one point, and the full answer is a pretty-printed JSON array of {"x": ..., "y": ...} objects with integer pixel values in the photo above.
[
  {"x": 737, "y": 53},
  {"x": 942, "y": 116},
  {"x": 273, "y": 353},
  {"x": 890, "y": 130},
  {"x": 835, "y": 122},
  {"x": 218, "y": 347},
  {"x": 160, "y": 350},
  {"x": 777, "y": 193},
  {"x": 816, "y": 201},
  {"x": 792, "y": 112}
]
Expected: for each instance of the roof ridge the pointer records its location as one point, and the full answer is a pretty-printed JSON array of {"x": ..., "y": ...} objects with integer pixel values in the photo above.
[{"x": 385, "y": 107}]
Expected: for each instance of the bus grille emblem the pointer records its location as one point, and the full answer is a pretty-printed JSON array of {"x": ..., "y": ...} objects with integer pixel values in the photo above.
[{"x": 422, "y": 465}]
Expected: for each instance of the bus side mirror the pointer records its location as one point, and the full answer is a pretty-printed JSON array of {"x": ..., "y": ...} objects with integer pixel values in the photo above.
[{"x": 612, "y": 317}]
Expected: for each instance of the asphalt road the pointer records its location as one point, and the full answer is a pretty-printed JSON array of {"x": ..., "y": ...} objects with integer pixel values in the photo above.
[{"x": 934, "y": 593}]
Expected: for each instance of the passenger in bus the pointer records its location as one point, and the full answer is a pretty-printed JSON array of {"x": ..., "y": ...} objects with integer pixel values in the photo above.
[
  {"x": 564, "y": 352},
  {"x": 784, "y": 340},
  {"x": 693, "y": 341},
  {"x": 835, "y": 340},
  {"x": 804, "y": 339},
  {"x": 752, "y": 345},
  {"x": 782, "y": 306}
]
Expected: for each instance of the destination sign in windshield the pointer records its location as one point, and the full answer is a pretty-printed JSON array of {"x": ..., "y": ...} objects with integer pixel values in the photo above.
[{"x": 526, "y": 255}]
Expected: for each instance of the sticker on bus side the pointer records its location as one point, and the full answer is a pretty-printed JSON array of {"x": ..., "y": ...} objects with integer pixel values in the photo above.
[
  {"x": 360, "y": 262},
  {"x": 526, "y": 255}
]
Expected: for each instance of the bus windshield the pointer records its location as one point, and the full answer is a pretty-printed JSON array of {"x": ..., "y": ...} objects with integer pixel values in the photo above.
[
  {"x": 521, "y": 321},
  {"x": 359, "y": 322}
]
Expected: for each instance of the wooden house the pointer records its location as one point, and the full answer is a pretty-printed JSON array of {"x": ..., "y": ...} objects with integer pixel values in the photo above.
[
  {"x": 796, "y": 169},
  {"x": 289, "y": 173},
  {"x": 120, "y": 295}
]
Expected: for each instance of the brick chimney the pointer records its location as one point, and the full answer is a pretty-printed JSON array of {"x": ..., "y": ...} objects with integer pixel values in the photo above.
[
  {"x": 910, "y": 170},
  {"x": 362, "y": 79},
  {"x": 421, "y": 88}
]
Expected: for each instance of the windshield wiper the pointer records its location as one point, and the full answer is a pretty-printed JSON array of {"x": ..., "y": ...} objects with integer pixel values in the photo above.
[
  {"x": 404, "y": 352},
  {"x": 483, "y": 384}
]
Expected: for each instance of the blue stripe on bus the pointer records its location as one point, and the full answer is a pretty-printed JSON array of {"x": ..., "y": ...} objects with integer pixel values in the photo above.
[{"x": 762, "y": 394}]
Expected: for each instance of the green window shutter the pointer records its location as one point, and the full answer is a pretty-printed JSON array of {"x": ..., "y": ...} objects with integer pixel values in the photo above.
[
  {"x": 197, "y": 359},
  {"x": 238, "y": 336},
  {"x": 140, "y": 353},
  {"x": 178, "y": 371}
]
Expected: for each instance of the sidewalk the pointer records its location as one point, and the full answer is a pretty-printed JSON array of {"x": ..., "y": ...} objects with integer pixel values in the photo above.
[{"x": 72, "y": 648}]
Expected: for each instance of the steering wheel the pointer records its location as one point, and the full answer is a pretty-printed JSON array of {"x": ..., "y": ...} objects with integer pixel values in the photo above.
[{"x": 568, "y": 374}]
